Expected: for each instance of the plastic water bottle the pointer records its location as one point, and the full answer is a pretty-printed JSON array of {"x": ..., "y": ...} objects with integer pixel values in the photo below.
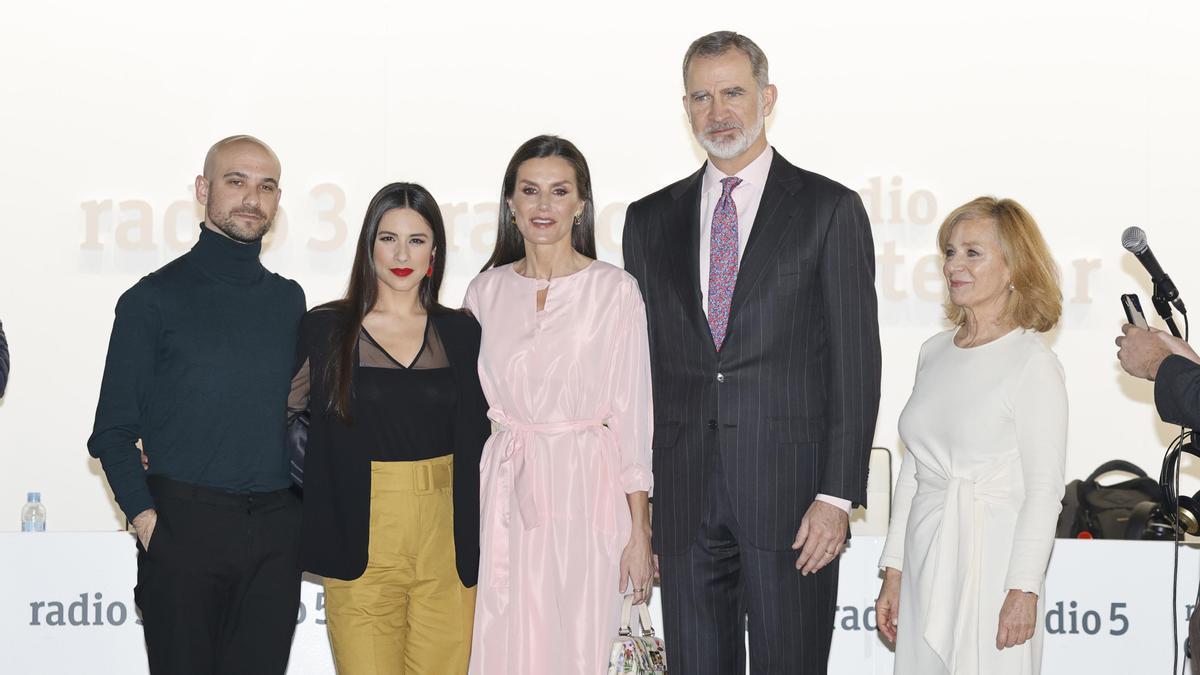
[{"x": 33, "y": 514}]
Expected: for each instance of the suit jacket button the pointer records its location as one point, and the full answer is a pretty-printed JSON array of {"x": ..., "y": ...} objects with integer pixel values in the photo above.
[
  {"x": 712, "y": 424},
  {"x": 720, "y": 377}
]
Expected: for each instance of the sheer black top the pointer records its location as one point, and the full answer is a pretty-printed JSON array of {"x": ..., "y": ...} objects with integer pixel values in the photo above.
[{"x": 399, "y": 412}]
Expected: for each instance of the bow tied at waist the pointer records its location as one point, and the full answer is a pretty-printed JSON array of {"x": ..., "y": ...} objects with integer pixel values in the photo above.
[
  {"x": 952, "y": 582},
  {"x": 513, "y": 480}
]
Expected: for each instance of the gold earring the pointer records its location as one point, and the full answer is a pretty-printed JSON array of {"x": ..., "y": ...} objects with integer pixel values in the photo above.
[
  {"x": 513, "y": 216},
  {"x": 575, "y": 221}
]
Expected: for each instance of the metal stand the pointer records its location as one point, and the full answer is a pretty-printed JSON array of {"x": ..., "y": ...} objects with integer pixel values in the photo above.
[{"x": 1162, "y": 304}]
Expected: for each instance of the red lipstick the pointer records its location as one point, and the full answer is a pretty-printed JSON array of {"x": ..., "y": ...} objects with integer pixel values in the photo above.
[{"x": 402, "y": 271}]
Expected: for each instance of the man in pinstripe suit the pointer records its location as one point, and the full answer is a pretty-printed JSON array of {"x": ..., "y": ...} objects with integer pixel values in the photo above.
[{"x": 758, "y": 279}]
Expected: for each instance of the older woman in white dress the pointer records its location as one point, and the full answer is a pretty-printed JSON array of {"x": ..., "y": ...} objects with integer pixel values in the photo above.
[{"x": 981, "y": 486}]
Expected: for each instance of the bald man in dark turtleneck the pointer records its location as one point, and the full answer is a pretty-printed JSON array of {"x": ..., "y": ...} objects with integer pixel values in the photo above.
[{"x": 199, "y": 367}]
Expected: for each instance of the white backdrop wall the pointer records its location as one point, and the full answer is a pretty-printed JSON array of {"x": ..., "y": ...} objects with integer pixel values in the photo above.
[{"x": 1086, "y": 112}]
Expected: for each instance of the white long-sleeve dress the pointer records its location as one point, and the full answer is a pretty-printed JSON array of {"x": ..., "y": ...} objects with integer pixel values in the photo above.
[{"x": 977, "y": 500}]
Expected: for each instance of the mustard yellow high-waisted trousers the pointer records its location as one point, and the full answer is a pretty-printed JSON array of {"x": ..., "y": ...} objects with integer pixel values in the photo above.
[{"x": 409, "y": 613}]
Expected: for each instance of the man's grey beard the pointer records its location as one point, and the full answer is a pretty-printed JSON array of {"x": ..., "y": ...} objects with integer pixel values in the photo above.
[{"x": 734, "y": 146}]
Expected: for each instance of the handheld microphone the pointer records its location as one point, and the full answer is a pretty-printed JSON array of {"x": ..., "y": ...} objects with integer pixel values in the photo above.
[{"x": 1134, "y": 241}]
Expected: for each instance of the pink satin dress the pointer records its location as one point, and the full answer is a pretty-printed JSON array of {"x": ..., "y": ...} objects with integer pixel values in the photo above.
[{"x": 569, "y": 390}]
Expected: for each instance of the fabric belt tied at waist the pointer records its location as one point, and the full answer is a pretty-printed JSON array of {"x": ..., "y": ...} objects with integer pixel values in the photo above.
[
  {"x": 952, "y": 583},
  {"x": 513, "y": 479}
]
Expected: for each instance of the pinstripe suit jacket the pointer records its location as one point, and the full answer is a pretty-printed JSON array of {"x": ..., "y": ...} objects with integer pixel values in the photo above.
[{"x": 789, "y": 403}]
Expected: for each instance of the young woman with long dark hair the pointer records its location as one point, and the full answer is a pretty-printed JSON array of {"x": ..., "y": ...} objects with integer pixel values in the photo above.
[
  {"x": 565, "y": 480},
  {"x": 391, "y": 475}
]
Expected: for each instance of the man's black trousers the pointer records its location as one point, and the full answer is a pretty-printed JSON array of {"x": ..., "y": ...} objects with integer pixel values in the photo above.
[
  {"x": 219, "y": 583},
  {"x": 722, "y": 582}
]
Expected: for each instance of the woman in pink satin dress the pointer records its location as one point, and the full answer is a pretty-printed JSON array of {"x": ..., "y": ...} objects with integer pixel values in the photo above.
[{"x": 565, "y": 479}]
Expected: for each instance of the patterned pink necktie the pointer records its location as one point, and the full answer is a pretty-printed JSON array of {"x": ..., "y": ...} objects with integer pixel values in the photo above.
[{"x": 722, "y": 260}]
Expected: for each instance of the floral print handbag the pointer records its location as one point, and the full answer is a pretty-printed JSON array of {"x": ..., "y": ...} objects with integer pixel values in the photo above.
[{"x": 636, "y": 655}]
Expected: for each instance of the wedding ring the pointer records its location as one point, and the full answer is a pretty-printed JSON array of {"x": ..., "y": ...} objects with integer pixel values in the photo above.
[{"x": 638, "y": 590}]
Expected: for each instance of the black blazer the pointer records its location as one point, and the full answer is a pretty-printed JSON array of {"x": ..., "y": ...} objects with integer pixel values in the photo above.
[
  {"x": 1177, "y": 392},
  {"x": 337, "y": 483},
  {"x": 789, "y": 403},
  {"x": 3, "y": 361}
]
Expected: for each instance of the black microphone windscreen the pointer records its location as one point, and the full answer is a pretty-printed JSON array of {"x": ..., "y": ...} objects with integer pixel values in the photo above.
[{"x": 1134, "y": 240}]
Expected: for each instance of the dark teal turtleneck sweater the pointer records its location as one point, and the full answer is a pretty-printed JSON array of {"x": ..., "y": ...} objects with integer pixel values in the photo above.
[{"x": 199, "y": 367}]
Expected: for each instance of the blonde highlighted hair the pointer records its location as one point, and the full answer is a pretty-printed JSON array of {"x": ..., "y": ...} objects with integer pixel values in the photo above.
[{"x": 1035, "y": 302}]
